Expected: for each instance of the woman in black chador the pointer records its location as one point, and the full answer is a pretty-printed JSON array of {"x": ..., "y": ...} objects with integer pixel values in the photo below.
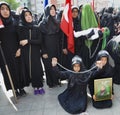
[
  {"x": 10, "y": 46},
  {"x": 113, "y": 47},
  {"x": 74, "y": 98},
  {"x": 51, "y": 38},
  {"x": 106, "y": 71},
  {"x": 30, "y": 40}
]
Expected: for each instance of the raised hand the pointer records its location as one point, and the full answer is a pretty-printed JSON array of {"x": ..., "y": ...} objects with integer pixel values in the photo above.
[
  {"x": 54, "y": 61},
  {"x": 99, "y": 64}
]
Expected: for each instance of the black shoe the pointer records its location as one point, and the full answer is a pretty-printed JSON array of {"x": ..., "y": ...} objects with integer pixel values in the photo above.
[
  {"x": 53, "y": 86},
  {"x": 50, "y": 86},
  {"x": 17, "y": 94},
  {"x": 22, "y": 92}
]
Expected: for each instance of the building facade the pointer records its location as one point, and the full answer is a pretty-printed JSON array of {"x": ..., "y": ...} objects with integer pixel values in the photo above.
[{"x": 37, "y": 6}]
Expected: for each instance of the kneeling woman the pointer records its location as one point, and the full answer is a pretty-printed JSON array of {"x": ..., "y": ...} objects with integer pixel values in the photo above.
[
  {"x": 106, "y": 71},
  {"x": 74, "y": 98}
]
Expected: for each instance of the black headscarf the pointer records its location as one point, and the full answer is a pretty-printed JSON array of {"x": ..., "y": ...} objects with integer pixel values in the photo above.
[
  {"x": 23, "y": 20},
  {"x": 78, "y": 78},
  {"x": 103, "y": 53},
  {"x": 78, "y": 60},
  {"x": 76, "y": 21},
  {"x": 47, "y": 10},
  {"x": 49, "y": 24},
  {"x": 9, "y": 20},
  {"x": 110, "y": 10}
]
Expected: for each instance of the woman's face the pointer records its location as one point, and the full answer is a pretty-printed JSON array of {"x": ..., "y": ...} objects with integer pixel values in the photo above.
[
  {"x": 4, "y": 11},
  {"x": 103, "y": 60},
  {"x": 76, "y": 67},
  {"x": 28, "y": 17},
  {"x": 52, "y": 11},
  {"x": 75, "y": 13}
]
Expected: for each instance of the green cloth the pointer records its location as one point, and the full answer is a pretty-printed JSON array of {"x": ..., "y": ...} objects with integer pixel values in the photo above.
[
  {"x": 88, "y": 20},
  {"x": 106, "y": 33}
]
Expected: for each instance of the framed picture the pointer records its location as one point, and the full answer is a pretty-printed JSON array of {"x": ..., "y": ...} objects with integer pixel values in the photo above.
[{"x": 103, "y": 89}]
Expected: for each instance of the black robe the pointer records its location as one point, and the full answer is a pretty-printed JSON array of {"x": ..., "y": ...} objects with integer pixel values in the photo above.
[
  {"x": 78, "y": 41},
  {"x": 107, "y": 21},
  {"x": 10, "y": 44},
  {"x": 106, "y": 72},
  {"x": 50, "y": 29},
  {"x": 74, "y": 98},
  {"x": 114, "y": 51},
  {"x": 31, "y": 54}
]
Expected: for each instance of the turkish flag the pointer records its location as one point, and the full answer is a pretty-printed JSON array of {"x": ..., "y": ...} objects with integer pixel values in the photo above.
[
  {"x": 93, "y": 5},
  {"x": 67, "y": 25},
  {"x": 1, "y": 24}
]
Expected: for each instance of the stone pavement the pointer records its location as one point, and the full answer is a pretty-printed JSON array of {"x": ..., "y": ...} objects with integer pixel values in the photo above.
[{"x": 48, "y": 104}]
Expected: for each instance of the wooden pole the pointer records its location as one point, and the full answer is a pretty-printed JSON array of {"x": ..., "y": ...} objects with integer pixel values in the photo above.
[{"x": 8, "y": 73}]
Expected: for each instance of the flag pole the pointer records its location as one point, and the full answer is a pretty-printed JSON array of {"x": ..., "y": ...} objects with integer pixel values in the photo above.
[
  {"x": 45, "y": 3},
  {"x": 93, "y": 5}
]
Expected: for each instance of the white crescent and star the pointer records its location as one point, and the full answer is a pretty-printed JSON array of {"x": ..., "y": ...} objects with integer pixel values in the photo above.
[{"x": 65, "y": 12}]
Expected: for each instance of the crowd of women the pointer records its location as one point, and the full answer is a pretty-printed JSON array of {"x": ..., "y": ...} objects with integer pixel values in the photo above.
[{"x": 27, "y": 43}]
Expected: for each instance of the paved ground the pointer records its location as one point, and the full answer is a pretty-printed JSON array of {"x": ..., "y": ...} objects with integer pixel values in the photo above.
[{"x": 48, "y": 104}]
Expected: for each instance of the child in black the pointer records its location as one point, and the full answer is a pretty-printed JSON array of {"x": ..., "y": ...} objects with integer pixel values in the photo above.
[
  {"x": 74, "y": 98},
  {"x": 106, "y": 71}
]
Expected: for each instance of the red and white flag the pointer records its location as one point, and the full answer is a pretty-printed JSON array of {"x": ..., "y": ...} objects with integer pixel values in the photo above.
[
  {"x": 1, "y": 24},
  {"x": 67, "y": 25},
  {"x": 93, "y": 5}
]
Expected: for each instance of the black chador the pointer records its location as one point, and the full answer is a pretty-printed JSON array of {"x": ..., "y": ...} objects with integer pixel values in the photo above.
[
  {"x": 30, "y": 53},
  {"x": 50, "y": 46},
  {"x": 74, "y": 98},
  {"x": 10, "y": 45},
  {"x": 106, "y": 72}
]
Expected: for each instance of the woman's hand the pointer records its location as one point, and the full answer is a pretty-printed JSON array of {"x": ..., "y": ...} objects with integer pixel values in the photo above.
[
  {"x": 23, "y": 42},
  {"x": 99, "y": 64},
  {"x": 94, "y": 97},
  {"x": 112, "y": 97},
  {"x": 54, "y": 61},
  {"x": 65, "y": 51},
  {"x": 18, "y": 53}
]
